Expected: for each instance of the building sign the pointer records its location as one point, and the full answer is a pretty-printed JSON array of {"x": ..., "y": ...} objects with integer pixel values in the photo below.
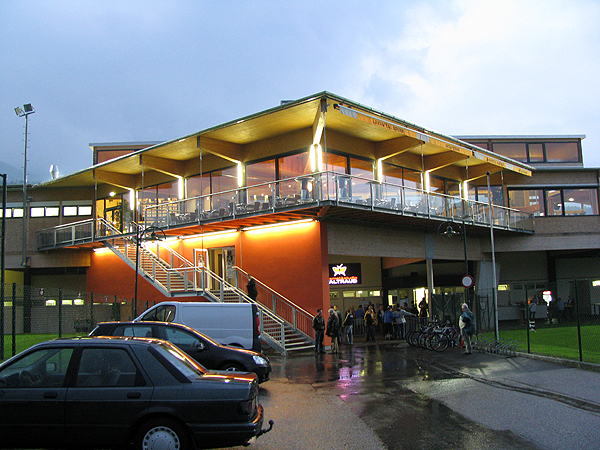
[{"x": 344, "y": 274}]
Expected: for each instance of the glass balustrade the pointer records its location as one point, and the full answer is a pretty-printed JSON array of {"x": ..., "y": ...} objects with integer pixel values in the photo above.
[{"x": 302, "y": 192}]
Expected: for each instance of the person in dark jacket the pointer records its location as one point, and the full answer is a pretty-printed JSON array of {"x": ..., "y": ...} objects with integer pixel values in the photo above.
[
  {"x": 333, "y": 330},
  {"x": 349, "y": 325},
  {"x": 319, "y": 327},
  {"x": 251, "y": 287}
]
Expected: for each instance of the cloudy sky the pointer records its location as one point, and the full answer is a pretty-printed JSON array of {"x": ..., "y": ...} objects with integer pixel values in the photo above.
[{"x": 150, "y": 70}]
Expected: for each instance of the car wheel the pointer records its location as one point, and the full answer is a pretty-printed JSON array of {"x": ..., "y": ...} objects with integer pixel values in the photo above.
[
  {"x": 233, "y": 367},
  {"x": 162, "y": 434}
]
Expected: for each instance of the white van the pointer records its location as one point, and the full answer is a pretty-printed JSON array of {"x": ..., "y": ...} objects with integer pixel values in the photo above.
[{"x": 233, "y": 324}]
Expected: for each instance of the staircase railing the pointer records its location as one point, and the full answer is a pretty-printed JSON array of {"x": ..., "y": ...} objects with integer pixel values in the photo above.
[
  {"x": 299, "y": 318},
  {"x": 165, "y": 260}
]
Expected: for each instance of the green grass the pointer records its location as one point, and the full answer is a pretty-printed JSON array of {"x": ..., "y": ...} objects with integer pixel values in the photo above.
[
  {"x": 24, "y": 341},
  {"x": 559, "y": 342}
]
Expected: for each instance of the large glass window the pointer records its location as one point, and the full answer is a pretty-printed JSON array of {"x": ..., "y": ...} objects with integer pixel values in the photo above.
[
  {"x": 581, "y": 202},
  {"x": 260, "y": 172},
  {"x": 223, "y": 180},
  {"x": 558, "y": 202},
  {"x": 336, "y": 163},
  {"x": 294, "y": 166},
  {"x": 527, "y": 200},
  {"x": 513, "y": 150},
  {"x": 562, "y": 152},
  {"x": 392, "y": 174}
]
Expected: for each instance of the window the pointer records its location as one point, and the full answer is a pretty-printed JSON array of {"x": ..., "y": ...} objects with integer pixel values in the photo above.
[
  {"x": 513, "y": 150},
  {"x": 336, "y": 163},
  {"x": 581, "y": 202},
  {"x": 562, "y": 152},
  {"x": 259, "y": 173},
  {"x": 43, "y": 368},
  {"x": 556, "y": 202},
  {"x": 70, "y": 211},
  {"x": 161, "y": 314},
  {"x": 181, "y": 338},
  {"x": 134, "y": 331},
  {"x": 106, "y": 367},
  {"x": 294, "y": 166},
  {"x": 539, "y": 152},
  {"x": 529, "y": 201}
]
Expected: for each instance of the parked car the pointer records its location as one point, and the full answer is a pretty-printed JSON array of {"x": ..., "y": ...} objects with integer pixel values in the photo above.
[
  {"x": 203, "y": 349},
  {"x": 107, "y": 392}
]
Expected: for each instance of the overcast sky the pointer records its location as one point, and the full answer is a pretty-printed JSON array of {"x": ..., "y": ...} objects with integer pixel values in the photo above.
[{"x": 122, "y": 71}]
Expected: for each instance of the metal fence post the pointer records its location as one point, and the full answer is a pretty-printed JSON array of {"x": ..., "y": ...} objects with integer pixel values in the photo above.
[
  {"x": 59, "y": 312},
  {"x": 578, "y": 321},
  {"x": 92, "y": 308},
  {"x": 14, "y": 319},
  {"x": 527, "y": 322}
]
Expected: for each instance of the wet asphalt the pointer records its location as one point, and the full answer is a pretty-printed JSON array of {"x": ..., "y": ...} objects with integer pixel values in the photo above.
[{"x": 388, "y": 395}]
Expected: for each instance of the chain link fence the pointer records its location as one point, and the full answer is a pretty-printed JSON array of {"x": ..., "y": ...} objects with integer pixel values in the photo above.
[{"x": 33, "y": 314}]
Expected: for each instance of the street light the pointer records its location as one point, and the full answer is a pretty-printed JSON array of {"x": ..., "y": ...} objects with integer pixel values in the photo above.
[
  {"x": 24, "y": 112},
  {"x": 451, "y": 228},
  {"x": 494, "y": 281},
  {"x": 143, "y": 235}
]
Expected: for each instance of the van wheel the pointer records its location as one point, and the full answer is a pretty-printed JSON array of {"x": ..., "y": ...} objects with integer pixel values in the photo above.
[
  {"x": 162, "y": 433},
  {"x": 233, "y": 367}
]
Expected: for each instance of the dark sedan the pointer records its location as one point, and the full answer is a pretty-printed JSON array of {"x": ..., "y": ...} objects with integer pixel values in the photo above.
[
  {"x": 203, "y": 349},
  {"x": 112, "y": 392}
]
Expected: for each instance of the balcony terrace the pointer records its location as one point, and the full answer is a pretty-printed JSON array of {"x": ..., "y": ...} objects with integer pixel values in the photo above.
[{"x": 321, "y": 196}]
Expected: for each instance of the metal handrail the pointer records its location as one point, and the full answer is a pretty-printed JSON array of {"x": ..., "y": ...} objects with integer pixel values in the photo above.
[
  {"x": 296, "y": 316},
  {"x": 336, "y": 187}
]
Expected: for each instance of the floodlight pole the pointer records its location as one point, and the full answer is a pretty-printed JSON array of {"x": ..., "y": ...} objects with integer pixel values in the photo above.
[
  {"x": 2, "y": 265},
  {"x": 27, "y": 109}
]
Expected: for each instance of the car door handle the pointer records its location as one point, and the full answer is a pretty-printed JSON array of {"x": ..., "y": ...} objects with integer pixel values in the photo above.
[
  {"x": 50, "y": 395},
  {"x": 133, "y": 395}
]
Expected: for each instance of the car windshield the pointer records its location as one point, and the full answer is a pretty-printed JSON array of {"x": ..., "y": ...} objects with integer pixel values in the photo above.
[{"x": 188, "y": 367}]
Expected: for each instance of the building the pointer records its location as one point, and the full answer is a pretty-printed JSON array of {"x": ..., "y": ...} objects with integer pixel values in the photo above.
[{"x": 324, "y": 201}]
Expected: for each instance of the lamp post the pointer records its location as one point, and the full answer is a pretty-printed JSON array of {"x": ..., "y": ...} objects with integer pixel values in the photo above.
[
  {"x": 24, "y": 112},
  {"x": 141, "y": 235},
  {"x": 494, "y": 281},
  {"x": 451, "y": 228}
]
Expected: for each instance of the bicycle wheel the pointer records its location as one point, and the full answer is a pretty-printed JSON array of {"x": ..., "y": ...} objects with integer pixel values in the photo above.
[{"x": 439, "y": 343}]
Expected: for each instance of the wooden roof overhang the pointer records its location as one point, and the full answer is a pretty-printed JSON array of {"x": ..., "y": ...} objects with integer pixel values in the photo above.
[{"x": 325, "y": 118}]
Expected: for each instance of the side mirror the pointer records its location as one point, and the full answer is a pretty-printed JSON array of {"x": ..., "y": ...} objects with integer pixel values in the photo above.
[{"x": 200, "y": 346}]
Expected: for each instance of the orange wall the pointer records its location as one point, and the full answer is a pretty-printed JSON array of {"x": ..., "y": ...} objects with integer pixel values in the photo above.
[
  {"x": 109, "y": 275},
  {"x": 292, "y": 260}
]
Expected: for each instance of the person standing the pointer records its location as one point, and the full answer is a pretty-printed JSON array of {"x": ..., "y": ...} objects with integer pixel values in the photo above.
[
  {"x": 532, "y": 312},
  {"x": 338, "y": 314},
  {"x": 360, "y": 320},
  {"x": 370, "y": 323},
  {"x": 349, "y": 325},
  {"x": 319, "y": 327},
  {"x": 467, "y": 327},
  {"x": 333, "y": 330},
  {"x": 401, "y": 322},
  {"x": 388, "y": 323},
  {"x": 251, "y": 287}
]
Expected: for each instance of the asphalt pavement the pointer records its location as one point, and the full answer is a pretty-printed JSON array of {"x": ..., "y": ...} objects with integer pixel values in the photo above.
[{"x": 388, "y": 395}]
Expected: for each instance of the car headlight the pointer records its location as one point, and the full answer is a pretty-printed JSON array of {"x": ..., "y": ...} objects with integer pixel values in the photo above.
[{"x": 260, "y": 360}]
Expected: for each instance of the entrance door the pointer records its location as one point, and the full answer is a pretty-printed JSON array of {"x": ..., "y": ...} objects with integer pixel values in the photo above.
[{"x": 222, "y": 260}]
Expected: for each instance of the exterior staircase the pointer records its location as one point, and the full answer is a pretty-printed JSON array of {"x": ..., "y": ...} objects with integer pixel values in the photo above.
[{"x": 284, "y": 326}]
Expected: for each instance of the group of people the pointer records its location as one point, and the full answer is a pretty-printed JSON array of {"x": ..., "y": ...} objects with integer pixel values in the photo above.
[{"x": 392, "y": 321}]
